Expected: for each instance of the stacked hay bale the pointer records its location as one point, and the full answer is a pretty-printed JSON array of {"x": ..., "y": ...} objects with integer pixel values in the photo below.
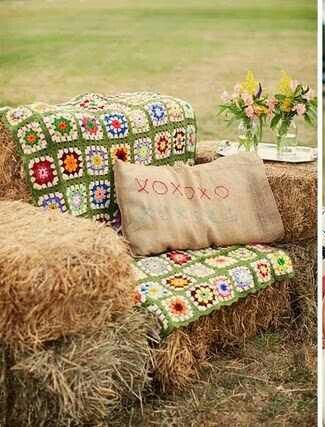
[
  {"x": 82, "y": 379},
  {"x": 295, "y": 190},
  {"x": 3, "y": 396},
  {"x": 303, "y": 288},
  {"x": 75, "y": 350},
  {"x": 287, "y": 304},
  {"x": 59, "y": 275},
  {"x": 291, "y": 185},
  {"x": 290, "y": 304},
  {"x": 181, "y": 356},
  {"x": 12, "y": 181},
  {"x": 178, "y": 358}
]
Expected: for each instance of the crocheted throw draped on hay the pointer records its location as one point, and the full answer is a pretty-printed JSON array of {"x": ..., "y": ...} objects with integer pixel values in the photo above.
[
  {"x": 69, "y": 150},
  {"x": 181, "y": 286}
]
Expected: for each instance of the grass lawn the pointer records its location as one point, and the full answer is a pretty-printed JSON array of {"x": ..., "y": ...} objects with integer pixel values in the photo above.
[
  {"x": 270, "y": 382},
  {"x": 51, "y": 50}
]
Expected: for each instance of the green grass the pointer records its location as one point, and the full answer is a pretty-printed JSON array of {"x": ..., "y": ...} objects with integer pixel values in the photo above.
[
  {"x": 271, "y": 381},
  {"x": 52, "y": 50}
]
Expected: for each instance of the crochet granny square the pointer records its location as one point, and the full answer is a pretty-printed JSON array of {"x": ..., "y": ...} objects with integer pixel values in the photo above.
[
  {"x": 179, "y": 287},
  {"x": 69, "y": 150}
]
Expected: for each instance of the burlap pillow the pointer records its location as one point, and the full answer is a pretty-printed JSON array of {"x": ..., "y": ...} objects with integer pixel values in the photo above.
[{"x": 228, "y": 201}]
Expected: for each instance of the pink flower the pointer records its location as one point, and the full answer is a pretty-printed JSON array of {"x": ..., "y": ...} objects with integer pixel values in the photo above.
[
  {"x": 249, "y": 111},
  {"x": 271, "y": 103},
  {"x": 293, "y": 85},
  {"x": 301, "y": 109},
  {"x": 247, "y": 98},
  {"x": 225, "y": 96}
]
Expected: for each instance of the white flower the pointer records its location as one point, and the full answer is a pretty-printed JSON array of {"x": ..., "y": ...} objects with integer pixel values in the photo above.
[
  {"x": 293, "y": 85},
  {"x": 225, "y": 96},
  {"x": 237, "y": 89},
  {"x": 309, "y": 95}
]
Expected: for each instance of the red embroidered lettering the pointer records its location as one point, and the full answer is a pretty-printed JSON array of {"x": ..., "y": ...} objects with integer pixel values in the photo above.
[
  {"x": 221, "y": 191},
  {"x": 163, "y": 187},
  {"x": 176, "y": 188},
  {"x": 187, "y": 195},
  {"x": 204, "y": 193},
  {"x": 142, "y": 187}
]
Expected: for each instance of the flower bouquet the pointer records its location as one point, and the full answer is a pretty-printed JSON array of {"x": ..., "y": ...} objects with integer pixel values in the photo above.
[
  {"x": 293, "y": 99},
  {"x": 249, "y": 107}
]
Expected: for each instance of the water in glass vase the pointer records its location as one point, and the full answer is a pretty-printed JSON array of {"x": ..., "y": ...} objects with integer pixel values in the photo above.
[
  {"x": 287, "y": 142},
  {"x": 247, "y": 137}
]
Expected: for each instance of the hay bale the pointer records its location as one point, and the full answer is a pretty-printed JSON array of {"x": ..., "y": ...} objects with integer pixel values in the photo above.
[
  {"x": 59, "y": 275},
  {"x": 13, "y": 185},
  {"x": 85, "y": 379},
  {"x": 304, "y": 288},
  {"x": 291, "y": 185},
  {"x": 30, "y": 410},
  {"x": 295, "y": 192},
  {"x": 3, "y": 396},
  {"x": 186, "y": 351},
  {"x": 206, "y": 151},
  {"x": 285, "y": 304}
]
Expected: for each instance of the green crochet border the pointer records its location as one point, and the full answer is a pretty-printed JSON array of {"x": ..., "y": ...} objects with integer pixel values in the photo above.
[{"x": 156, "y": 305}]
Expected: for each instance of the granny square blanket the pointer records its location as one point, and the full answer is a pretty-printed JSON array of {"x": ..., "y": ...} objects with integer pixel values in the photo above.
[
  {"x": 69, "y": 150},
  {"x": 181, "y": 286}
]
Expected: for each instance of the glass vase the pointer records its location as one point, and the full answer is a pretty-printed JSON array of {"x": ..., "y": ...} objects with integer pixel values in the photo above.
[
  {"x": 249, "y": 135},
  {"x": 286, "y": 139}
]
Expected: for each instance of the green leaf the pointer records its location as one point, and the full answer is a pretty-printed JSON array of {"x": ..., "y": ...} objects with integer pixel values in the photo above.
[
  {"x": 231, "y": 121},
  {"x": 275, "y": 120},
  {"x": 222, "y": 109},
  {"x": 312, "y": 113},
  {"x": 308, "y": 119},
  {"x": 304, "y": 91}
]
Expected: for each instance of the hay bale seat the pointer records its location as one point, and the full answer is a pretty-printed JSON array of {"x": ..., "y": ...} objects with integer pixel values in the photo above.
[
  {"x": 59, "y": 275},
  {"x": 290, "y": 304},
  {"x": 287, "y": 304},
  {"x": 3, "y": 395},
  {"x": 176, "y": 361},
  {"x": 77, "y": 379},
  {"x": 290, "y": 184}
]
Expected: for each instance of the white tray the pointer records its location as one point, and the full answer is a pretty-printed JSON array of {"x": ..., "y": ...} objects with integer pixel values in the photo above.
[{"x": 269, "y": 152}]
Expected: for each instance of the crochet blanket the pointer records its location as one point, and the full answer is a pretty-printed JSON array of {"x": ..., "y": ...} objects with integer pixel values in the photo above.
[
  {"x": 181, "y": 286},
  {"x": 69, "y": 150}
]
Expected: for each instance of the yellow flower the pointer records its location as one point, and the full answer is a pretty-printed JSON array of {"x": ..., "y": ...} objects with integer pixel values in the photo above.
[
  {"x": 250, "y": 84},
  {"x": 285, "y": 84},
  {"x": 260, "y": 110},
  {"x": 286, "y": 105}
]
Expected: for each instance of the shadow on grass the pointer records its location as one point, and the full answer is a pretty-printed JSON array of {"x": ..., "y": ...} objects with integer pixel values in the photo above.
[{"x": 270, "y": 381}]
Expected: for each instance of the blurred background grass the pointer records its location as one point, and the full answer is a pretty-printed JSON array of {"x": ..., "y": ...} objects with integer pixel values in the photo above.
[{"x": 52, "y": 50}]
